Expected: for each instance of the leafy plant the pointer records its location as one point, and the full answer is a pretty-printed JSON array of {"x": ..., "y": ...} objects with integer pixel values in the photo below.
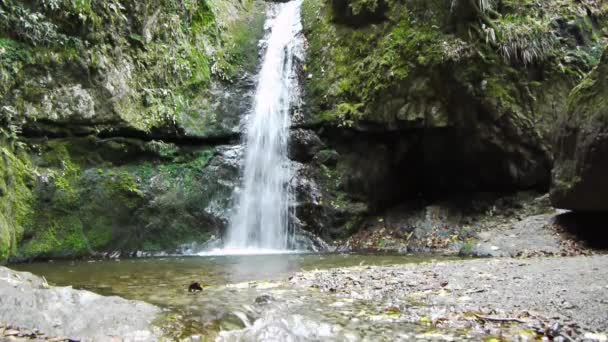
[{"x": 349, "y": 113}]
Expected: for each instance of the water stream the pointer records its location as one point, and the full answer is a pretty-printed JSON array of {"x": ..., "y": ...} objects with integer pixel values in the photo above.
[{"x": 261, "y": 218}]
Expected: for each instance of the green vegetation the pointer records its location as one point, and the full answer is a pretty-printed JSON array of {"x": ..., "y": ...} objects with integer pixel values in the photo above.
[
  {"x": 15, "y": 198},
  {"x": 399, "y": 69},
  {"x": 468, "y": 248},
  {"x": 525, "y": 40},
  {"x": 349, "y": 78}
]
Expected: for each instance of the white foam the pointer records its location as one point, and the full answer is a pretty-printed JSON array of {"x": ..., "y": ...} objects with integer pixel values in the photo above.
[{"x": 247, "y": 251}]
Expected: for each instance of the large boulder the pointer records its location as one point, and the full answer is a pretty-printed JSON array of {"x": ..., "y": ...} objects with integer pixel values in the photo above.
[
  {"x": 581, "y": 149},
  {"x": 28, "y": 302}
]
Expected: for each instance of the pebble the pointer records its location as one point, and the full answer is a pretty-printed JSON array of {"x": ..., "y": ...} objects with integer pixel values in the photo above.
[
  {"x": 596, "y": 337},
  {"x": 567, "y": 305},
  {"x": 11, "y": 332}
]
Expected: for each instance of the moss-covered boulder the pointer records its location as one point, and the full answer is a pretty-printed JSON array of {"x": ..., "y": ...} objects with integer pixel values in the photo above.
[{"x": 580, "y": 179}]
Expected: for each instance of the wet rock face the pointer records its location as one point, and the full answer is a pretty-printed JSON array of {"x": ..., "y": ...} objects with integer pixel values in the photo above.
[
  {"x": 111, "y": 74},
  {"x": 125, "y": 120},
  {"x": 309, "y": 209},
  {"x": 303, "y": 145},
  {"x": 581, "y": 147},
  {"x": 364, "y": 172},
  {"x": 69, "y": 103}
]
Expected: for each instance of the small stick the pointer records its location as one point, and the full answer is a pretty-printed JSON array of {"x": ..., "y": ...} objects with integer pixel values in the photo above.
[{"x": 499, "y": 319}]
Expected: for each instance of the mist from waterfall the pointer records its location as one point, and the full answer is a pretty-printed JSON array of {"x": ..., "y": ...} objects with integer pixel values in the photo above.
[{"x": 261, "y": 214}]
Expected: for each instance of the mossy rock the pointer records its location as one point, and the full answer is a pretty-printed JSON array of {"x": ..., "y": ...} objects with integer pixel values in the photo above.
[
  {"x": 581, "y": 146},
  {"x": 87, "y": 204},
  {"x": 143, "y": 66},
  {"x": 437, "y": 99},
  {"x": 464, "y": 108},
  {"x": 15, "y": 198}
]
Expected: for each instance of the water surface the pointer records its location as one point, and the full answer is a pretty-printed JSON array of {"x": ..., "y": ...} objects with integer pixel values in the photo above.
[{"x": 231, "y": 283}]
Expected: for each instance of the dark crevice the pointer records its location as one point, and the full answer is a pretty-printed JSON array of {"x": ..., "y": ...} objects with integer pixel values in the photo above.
[
  {"x": 54, "y": 130},
  {"x": 389, "y": 167},
  {"x": 588, "y": 228}
]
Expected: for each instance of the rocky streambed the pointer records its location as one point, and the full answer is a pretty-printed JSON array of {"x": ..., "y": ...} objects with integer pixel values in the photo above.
[{"x": 560, "y": 298}]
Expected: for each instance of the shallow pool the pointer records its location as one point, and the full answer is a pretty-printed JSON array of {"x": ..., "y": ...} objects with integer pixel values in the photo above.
[{"x": 231, "y": 283}]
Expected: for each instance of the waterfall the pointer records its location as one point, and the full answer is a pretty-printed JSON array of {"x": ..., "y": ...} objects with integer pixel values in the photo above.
[{"x": 261, "y": 212}]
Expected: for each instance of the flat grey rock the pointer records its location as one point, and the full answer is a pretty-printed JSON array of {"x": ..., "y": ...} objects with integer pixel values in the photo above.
[{"x": 28, "y": 302}]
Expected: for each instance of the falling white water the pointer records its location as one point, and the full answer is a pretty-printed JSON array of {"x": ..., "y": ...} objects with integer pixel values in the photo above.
[{"x": 261, "y": 218}]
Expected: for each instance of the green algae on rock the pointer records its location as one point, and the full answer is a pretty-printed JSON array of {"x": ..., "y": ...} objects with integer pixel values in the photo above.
[{"x": 117, "y": 110}]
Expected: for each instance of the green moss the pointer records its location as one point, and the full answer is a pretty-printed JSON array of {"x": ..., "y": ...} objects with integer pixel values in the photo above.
[
  {"x": 352, "y": 70},
  {"x": 585, "y": 99},
  {"x": 63, "y": 237},
  {"x": 13, "y": 57},
  {"x": 5, "y": 239},
  {"x": 373, "y": 73},
  {"x": 148, "y": 205},
  {"x": 159, "y": 57},
  {"x": 15, "y": 199},
  {"x": 239, "y": 51}
]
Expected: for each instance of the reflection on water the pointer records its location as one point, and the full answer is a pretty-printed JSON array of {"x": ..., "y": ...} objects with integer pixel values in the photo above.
[
  {"x": 231, "y": 283},
  {"x": 108, "y": 277}
]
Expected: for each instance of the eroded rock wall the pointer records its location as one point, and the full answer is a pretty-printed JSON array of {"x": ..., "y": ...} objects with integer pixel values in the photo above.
[
  {"x": 419, "y": 99},
  {"x": 580, "y": 179}
]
